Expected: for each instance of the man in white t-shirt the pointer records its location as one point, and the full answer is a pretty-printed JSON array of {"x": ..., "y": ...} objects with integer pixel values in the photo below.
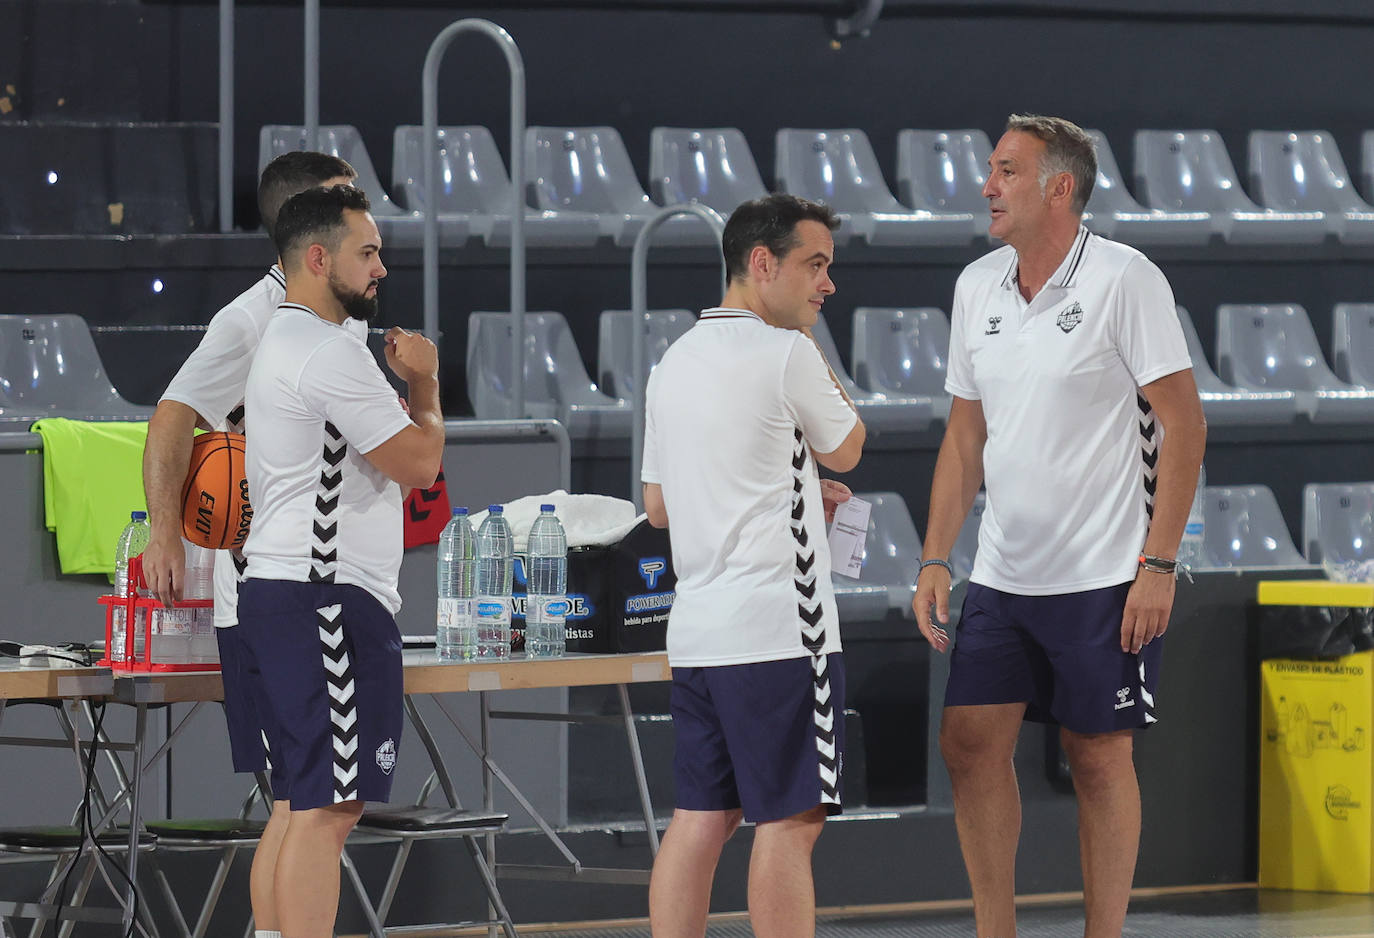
[
  {"x": 739, "y": 412},
  {"x": 330, "y": 448},
  {"x": 208, "y": 392},
  {"x": 1067, "y": 366}
]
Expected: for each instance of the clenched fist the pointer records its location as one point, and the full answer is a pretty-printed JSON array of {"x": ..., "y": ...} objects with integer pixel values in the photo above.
[{"x": 411, "y": 356}]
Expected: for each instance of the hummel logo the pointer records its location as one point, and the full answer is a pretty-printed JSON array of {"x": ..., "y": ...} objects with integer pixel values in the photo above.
[
  {"x": 993, "y": 323},
  {"x": 1122, "y": 699}
]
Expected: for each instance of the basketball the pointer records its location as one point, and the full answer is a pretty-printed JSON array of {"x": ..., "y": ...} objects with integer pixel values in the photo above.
[{"x": 215, "y": 511}]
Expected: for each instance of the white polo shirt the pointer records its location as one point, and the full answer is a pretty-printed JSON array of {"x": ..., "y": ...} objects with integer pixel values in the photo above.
[
  {"x": 1071, "y": 440},
  {"x": 317, "y": 401},
  {"x": 733, "y": 411}
]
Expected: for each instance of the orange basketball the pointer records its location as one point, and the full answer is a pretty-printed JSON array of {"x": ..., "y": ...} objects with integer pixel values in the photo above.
[{"x": 215, "y": 511}]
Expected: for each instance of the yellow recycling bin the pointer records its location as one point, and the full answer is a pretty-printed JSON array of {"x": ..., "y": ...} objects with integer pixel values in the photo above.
[{"x": 1316, "y": 765}]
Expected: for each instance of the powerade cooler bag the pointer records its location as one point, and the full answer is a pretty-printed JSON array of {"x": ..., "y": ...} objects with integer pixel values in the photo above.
[{"x": 620, "y": 595}]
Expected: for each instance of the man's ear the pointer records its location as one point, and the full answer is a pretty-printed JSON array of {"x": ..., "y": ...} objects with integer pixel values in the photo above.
[
  {"x": 762, "y": 263},
  {"x": 316, "y": 260}
]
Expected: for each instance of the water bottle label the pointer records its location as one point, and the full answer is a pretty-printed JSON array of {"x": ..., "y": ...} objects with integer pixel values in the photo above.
[
  {"x": 1193, "y": 529},
  {"x": 490, "y": 609},
  {"x": 451, "y": 613},
  {"x": 556, "y": 609}
]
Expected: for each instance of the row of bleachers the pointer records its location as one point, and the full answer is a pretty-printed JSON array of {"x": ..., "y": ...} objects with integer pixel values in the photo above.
[
  {"x": 582, "y": 185},
  {"x": 1270, "y": 369}
]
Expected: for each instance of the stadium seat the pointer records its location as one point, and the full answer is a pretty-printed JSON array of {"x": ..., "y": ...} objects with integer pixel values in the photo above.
[
  {"x": 398, "y": 227},
  {"x": 615, "y": 347},
  {"x": 711, "y": 166},
  {"x": 903, "y": 351},
  {"x": 965, "y": 548},
  {"x": 587, "y": 169},
  {"x": 880, "y": 411},
  {"x": 1190, "y": 171},
  {"x": 839, "y": 168},
  {"x": 1367, "y": 163},
  {"x": 49, "y": 367},
  {"x": 1226, "y": 405},
  {"x": 1274, "y": 347},
  {"x": 1352, "y": 343},
  {"x": 1338, "y": 522},
  {"x": 106, "y": 179},
  {"x": 1114, "y": 213},
  {"x": 892, "y": 560},
  {"x": 945, "y": 171},
  {"x": 1304, "y": 172},
  {"x": 475, "y": 198},
  {"x": 1243, "y": 527},
  {"x": 556, "y": 383}
]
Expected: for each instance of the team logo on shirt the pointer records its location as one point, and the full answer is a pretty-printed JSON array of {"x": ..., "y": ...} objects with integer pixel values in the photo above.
[
  {"x": 993, "y": 323},
  {"x": 1070, "y": 317},
  {"x": 386, "y": 756}
]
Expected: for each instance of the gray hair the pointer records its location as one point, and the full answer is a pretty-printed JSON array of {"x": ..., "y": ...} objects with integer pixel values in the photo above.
[{"x": 1068, "y": 149}]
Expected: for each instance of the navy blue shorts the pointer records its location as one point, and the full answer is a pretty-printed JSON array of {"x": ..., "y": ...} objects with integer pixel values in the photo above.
[
  {"x": 1060, "y": 654},
  {"x": 767, "y": 737},
  {"x": 325, "y": 668},
  {"x": 249, "y": 743}
]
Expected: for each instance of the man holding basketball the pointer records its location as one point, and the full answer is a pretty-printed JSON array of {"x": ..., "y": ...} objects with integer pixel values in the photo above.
[
  {"x": 208, "y": 391},
  {"x": 330, "y": 449},
  {"x": 1067, "y": 365}
]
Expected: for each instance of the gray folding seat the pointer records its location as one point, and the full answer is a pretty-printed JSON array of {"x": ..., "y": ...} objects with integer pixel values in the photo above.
[
  {"x": 556, "y": 382},
  {"x": 1338, "y": 522},
  {"x": 1304, "y": 172},
  {"x": 1227, "y": 405},
  {"x": 965, "y": 549},
  {"x": 881, "y": 411},
  {"x": 1367, "y": 162},
  {"x": 1243, "y": 527},
  {"x": 903, "y": 351},
  {"x": 712, "y": 166},
  {"x": 49, "y": 367},
  {"x": 1352, "y": 343},
  {"x": 1274, "y": 347},
  {"x": 397, "y": 227},
  {"x": 945, "y": 171},
  {"x": 1190, "y": 170},
  {"x": 615, "y": 345},
  {"x": 587, "y": 169},
  {"x": 892, "y": 560},
  {"x": 839, "y": 168},
  {"x": 1114, "y": 213},
  {"x": 475, "y": 193}
]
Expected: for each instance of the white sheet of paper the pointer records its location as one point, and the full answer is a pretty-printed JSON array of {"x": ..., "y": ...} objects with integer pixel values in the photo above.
[{"x": 848, "y": 532}]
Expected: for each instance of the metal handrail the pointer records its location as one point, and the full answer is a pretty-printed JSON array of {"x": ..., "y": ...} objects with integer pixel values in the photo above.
[
  {"x": 430, "y": 102},
  {"x": 226, "y": 116},
  {"x": 312, "y": 74},
  {"x": 639, "y": 311}
]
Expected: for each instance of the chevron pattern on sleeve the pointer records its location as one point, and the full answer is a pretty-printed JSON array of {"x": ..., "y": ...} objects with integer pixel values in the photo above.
[
  {"x": 812, "y": 614},
  {"x": 1149, "y": 452},
  {"x": 343, "y": 711},
  {"x": 324, "y": 535}
]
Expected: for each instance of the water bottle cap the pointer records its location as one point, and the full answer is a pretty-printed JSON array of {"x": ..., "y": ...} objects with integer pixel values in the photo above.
[
  {"x": 138, "y": 516},
  {"x": 460, "y": 511},
  {"x": 495, "y": 509},
  {"x": 546, "y": 508}
]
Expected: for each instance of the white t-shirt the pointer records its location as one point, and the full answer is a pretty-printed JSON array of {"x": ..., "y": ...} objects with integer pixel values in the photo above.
[
  {"x": 317, "y": 401},
  {"x": 733, "y": 411},
  {"x": 1068, "y": 452}
]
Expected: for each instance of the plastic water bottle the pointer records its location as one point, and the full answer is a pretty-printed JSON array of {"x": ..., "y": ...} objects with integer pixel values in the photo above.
[
  {"x": 454, "y": 636},
  {"x": 186, "y": 633},
  {"x": 133, "y": 540},
  {"x": 1190, "y": 548},
  {"x": 495, "y": 564},
  {"x": 546, "y": 609}
]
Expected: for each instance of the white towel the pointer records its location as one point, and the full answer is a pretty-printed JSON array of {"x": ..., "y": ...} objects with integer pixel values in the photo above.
[{"x": 588, "y": 520}]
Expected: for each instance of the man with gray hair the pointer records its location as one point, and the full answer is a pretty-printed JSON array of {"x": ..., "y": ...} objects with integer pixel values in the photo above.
[{"x": 1066, "y": 365}]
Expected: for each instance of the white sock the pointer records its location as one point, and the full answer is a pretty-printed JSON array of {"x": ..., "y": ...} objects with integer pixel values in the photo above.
[{"x": 263, "y": 933}]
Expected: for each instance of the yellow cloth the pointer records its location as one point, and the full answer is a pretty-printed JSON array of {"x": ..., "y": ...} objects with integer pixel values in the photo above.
[{"x": 92, "y": 479}]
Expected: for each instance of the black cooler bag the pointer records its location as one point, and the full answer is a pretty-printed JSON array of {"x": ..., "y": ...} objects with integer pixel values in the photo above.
[{"x": 621, "y": 595}]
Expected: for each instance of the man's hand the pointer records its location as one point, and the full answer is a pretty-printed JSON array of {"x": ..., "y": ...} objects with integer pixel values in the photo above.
[
  {"x": 411, "y": 356},
  {"x": 833, "y": 494},
  {"x": 164, "y": 567},
  {"x": 932, "y": 594},
  {"x": 1148, "y": 605}
]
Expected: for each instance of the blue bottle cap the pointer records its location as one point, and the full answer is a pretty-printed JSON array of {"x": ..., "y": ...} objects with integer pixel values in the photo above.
[
  {"x": 494, "y": 509},
  {"x": 546, "y": 508},
  {"x": 138, "y": 516},
  {"x": 460, "y": 511}
]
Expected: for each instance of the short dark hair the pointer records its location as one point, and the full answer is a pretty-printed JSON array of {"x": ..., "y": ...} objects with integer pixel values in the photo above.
[
  {"x": 316, "y": 216},
  {"x": 295, "y": 172},
  {"x": 1068, "y": 149},
  {"x": 771, "y": 222}
]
